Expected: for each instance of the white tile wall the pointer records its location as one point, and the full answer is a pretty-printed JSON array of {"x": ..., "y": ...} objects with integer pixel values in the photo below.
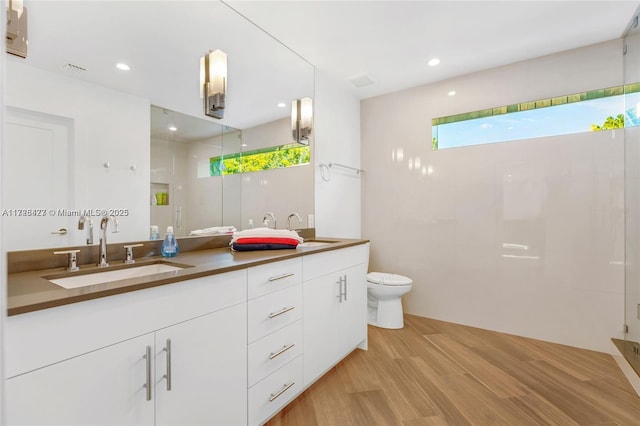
[{"x": 524, "y": 237}]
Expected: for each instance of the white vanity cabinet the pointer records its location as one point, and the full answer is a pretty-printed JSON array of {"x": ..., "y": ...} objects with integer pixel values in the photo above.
[
  {"x": 127, "y": 381},
  {"x": 104, "y": 387},
  {"x": 201, "y": 370},
  {"x": 335, "y": 307},
  {"x": 275, "y": 315},
  {"x": 226, "y": 349}
]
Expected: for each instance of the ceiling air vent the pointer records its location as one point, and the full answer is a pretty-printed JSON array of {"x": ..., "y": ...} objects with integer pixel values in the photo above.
[
  {"x": 361, "y": 80},
  {"x": 73, "y": 68}
]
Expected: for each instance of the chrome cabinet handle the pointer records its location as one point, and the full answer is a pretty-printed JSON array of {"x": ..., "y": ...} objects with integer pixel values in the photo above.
[
  {"x": 61, "y": 231},
  {"x": 281, "y": 351},
  {"x": 342, "y": 280},
  {"x": 283, "y": 390},
  {"x": 167, "y": 376},
  {"x": 279, "y": 277},
  {"x": 346, "y": 284},
  {"x": 147, "y": 357},
  {"x": 284, "y": 310}
]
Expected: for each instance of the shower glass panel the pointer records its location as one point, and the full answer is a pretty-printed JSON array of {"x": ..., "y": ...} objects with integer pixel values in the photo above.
[{"x": 630, "y": 347}]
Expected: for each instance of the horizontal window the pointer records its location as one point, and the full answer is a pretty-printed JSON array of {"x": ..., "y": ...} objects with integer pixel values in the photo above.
[
  {"x": 581, "y": 112},
  {"x": 261, "y": 159}
]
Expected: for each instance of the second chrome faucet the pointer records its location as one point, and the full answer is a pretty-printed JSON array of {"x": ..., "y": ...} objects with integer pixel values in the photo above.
[
  {"x": 265, "y": 220},
  {"x": 102, "y": 251},
  {"x": 292, "y": 215},
  {"x": 88, "y": 230}
]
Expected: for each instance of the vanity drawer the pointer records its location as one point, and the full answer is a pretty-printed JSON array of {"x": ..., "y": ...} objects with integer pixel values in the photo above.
[
  {"x": 274, "y": 392},
  {"x": 274, "y": 311},
  {"x": 273, "y": 351},
  {"x": 319, "y": 264},
  {"x": 265, "y": 279}
]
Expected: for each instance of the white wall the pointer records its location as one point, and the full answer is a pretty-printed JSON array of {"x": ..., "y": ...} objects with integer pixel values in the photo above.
[
  {"x": 337, "y": 140},
  {"x": 561, "y": 197},
  {"x": 108, "y": 126}
]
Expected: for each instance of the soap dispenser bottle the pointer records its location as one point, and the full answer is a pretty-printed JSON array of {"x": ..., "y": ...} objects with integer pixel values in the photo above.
[
  {"x": 169, "y": 244},
  {"x": 154, "y": 234}
]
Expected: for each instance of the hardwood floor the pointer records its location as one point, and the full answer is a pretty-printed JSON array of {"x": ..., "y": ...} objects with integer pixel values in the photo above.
[{"x": 438, "y": 373}]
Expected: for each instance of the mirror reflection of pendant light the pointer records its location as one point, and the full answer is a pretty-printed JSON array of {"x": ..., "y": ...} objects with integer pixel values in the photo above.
[
  {"x": 16, "y": 34},
  {"x": 213, "y": 82},
  {"x": 301, "y": 120}
]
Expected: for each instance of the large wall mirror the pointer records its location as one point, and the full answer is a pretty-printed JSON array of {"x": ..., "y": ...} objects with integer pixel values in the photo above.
[{"x": 83, "y": 136}]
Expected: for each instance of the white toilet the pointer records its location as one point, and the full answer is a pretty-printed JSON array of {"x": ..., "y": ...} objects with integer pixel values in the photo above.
[{"x": 384, "y": 294}]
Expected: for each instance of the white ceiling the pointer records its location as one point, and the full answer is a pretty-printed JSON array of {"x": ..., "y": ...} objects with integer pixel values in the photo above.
[
  {"x": 163, "y": 41},
  {"x": 391, "y": 41},
  {"x": 388, "y": 40}
]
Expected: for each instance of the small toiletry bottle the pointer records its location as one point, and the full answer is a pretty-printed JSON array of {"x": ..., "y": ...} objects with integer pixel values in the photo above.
[
  {"x": 170, "y": 244},
  {"x": 250, "y": 223},
  {"x": 154, "y": 234}
]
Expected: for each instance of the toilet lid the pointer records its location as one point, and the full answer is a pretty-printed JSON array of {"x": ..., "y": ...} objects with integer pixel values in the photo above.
[{"x": 388, "y": 279}]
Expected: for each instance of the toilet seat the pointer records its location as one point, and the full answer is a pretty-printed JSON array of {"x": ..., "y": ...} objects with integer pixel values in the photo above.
[{"x": 381, "y": 278}]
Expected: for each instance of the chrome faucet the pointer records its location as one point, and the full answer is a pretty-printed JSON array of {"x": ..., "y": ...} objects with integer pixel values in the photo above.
[
  {"x": 266, "y": 223},
  {"x": 296, "y": 215},
  {"x": 89, "y": 231},
  {"x": 102, "y": 252}
]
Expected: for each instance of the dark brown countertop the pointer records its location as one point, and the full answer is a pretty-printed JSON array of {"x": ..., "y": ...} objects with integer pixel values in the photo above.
[{"x": 30, "y": 291}]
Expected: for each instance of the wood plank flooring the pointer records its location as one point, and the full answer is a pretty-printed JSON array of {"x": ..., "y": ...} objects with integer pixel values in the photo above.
[{"x": 438, "y": 373}]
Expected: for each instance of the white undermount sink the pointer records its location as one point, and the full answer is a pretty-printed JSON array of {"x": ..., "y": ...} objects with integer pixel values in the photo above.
[{"x": 102, "y": 277}]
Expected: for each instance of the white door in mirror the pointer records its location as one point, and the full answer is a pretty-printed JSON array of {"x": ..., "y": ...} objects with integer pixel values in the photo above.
[{"x": 38, "y": 148}]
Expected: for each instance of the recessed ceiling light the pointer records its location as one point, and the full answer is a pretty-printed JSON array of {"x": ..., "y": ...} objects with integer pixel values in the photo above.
[
  {"x": 122, "y": 66},
  {"x": 173, "y": 128},
  {"x": 433, "y": 62},
  {"x": 244, "y": 145},
  {"x": 282, "y": 105},
  {"x": 452, "y": 93}
]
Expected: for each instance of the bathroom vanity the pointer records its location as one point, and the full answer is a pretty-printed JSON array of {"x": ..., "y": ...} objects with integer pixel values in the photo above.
[{"x": 229, "y": 340}]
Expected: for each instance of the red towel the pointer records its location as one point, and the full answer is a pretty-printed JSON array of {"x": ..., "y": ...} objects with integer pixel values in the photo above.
[{"x": 267, "y": 240}]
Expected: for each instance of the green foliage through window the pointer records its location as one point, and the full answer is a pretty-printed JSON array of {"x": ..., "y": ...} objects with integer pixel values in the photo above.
[
  {"x": 595, "y": 110},
  {"x": 262, "y": 159},
  {"x": 616, "y": 122}
]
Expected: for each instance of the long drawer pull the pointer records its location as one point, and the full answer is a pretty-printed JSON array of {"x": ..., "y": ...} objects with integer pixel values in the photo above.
[
  {"x": 283, "y": 390},
  {"x": 279, "y": 277},
  {"x": 167, "y": 376},
  {"x": 147, "y": 357},
  {"x": 341, "y": 294},
  {"x": 283, "y": 311},
  {"x": 346, "y": 284},
  {"x": 281, "y": 351}
]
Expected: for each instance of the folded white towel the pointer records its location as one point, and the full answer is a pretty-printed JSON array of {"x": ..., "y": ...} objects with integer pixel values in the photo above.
[
  {"x": 266, "y": 232},
  {"x": 214, "y": 230}
]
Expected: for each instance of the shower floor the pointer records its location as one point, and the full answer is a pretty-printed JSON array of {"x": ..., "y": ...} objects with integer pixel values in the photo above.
[{"x": 631, "y": 352}]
